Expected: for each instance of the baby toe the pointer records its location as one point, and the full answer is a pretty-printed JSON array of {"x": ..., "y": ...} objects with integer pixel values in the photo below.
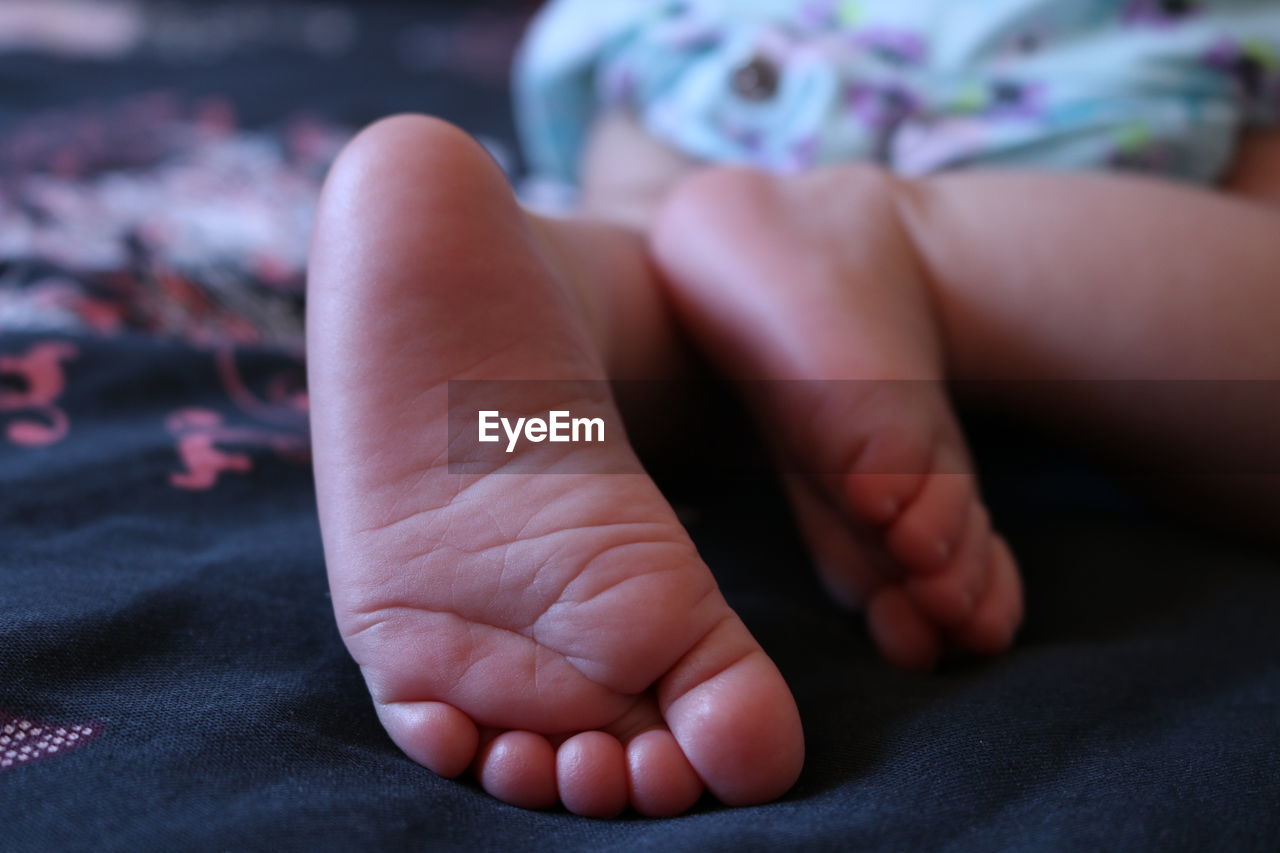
[
  {"x": 519, "y": 768},
  {"x": 998, "y": 614},
  {"x": 591, "y": 774},
  {"x": 950, "y": 598},
  {"x": 733, "y": 716},
  {"x": 927, "y": 534},
  {"x": 662, "y": 781},
  {"x": 904, "y": 636},
  {"x": 434, "y": 734}
]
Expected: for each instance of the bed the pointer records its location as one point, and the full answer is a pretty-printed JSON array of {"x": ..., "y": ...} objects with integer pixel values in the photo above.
[{"x": 170, "y": 675}]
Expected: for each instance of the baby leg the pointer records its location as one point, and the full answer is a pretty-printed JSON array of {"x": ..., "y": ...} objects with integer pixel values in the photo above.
[
  {"x": 555, "y": 631},
  {"x": 1157, "y": 303}
]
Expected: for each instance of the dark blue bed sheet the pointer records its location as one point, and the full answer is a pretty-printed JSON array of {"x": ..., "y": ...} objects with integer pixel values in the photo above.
[{"x": 170, "y": 676}]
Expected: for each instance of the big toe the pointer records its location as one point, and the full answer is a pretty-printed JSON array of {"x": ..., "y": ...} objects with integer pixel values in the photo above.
[{"x": 731, "y": 712}]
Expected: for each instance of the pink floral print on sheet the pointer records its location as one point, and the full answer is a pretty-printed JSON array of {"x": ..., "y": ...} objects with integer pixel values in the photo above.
[
  {"x": 209, "y": 447},
  {"x": 161, "y": 216},
  {"x": 30, "y": 385}
]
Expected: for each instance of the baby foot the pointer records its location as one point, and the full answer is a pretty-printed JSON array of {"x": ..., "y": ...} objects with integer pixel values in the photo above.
[
  {"x": 556, "y": 632},
  {"x": 813, "y": 280}
]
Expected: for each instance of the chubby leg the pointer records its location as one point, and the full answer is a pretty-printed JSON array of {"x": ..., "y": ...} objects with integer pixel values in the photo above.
[
  {"x": 1158, "y": 304},
  {"x": 555, "y": 631}
]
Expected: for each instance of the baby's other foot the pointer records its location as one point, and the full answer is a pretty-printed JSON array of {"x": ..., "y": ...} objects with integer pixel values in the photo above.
[
  {"x": 557, "y": 631},
  {"x": 812, "y": 283}
]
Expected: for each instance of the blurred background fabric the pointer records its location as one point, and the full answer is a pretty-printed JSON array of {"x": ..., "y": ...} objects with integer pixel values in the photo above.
[
  {"x": 185, "y": 143},
  {"x": 170, "y": 676}
]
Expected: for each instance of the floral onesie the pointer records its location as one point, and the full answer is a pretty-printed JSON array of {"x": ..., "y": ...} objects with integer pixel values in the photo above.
[{"x": 1160, "y": 86}]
